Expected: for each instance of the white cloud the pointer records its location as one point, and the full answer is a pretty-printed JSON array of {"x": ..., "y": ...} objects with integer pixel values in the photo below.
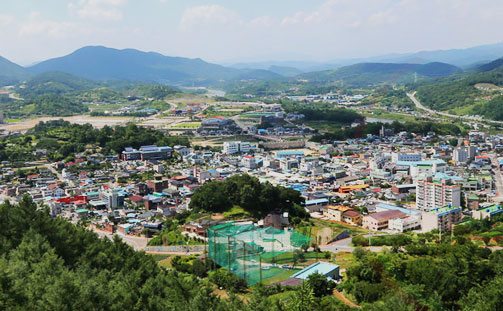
[
  {"x": 5, "y": 20},
  {"x": 209, "y": 14},
  {"x": 106, "y": 10},
  {"x": 36, "y": 26}
]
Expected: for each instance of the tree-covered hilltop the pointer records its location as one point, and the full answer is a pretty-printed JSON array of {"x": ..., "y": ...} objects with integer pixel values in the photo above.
[
  {"x": 476, "y": 92},
  {"x": 63, "y": 139},
  {"x": 245, "y": 191},
  {"x": 322, "y": 112}
]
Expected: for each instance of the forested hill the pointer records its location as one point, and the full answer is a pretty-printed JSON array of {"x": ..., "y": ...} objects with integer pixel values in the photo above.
[
  {"x": 101, "y": 63},
  {"x": 49, "y": 264},
  {"x": 365, "y": 74},
  {"x": 11, "y": 73},
  {"x": 477, "y": 92},
  {"x": 55, "y": 82}
]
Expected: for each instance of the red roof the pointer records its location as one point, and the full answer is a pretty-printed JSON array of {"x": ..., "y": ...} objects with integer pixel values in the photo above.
[
  {"x": 136, "y": 198},
  {"x": 33, "y": 176},
  {"x": 351, "y": 213}
]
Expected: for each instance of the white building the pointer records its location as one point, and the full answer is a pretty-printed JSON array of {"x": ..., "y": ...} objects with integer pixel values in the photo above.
[
  {"x": 405, "y": 157},
  {"x": 404, "y": 224},
  {"x": 113, "y": 199},
  {"x": 182, "y": 150},
  {"x": 232, "y": 147},
  {"x": 432, "y": 194},
  {"x": 249, "y": 162},
  {"x": 427, "y": 168}
]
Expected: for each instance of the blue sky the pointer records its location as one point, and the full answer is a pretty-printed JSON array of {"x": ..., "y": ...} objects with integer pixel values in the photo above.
[{"x": 247, "y": 30}]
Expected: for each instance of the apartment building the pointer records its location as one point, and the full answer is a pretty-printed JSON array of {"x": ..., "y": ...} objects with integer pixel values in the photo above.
[
  {"x": 443, "y": 218},
  {"x": 460, "y": 155},
  {"x": 432, "y": 194}
]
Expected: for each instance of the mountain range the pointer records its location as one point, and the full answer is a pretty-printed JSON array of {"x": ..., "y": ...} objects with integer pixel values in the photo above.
[{"x": 107, "y": 64}]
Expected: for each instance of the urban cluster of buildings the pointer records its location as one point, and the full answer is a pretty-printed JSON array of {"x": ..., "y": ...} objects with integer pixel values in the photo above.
[{"x": 392, "y": 182}]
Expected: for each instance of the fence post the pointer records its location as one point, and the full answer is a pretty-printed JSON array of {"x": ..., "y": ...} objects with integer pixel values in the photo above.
[
  {"x": 229, "y": 253},
  {"x": 244, "y": 261}
]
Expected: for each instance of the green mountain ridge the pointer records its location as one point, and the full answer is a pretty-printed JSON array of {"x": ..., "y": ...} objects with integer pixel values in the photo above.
[
  {"x": 365, "y": 74},
  {"x": 11, "y": 73}
]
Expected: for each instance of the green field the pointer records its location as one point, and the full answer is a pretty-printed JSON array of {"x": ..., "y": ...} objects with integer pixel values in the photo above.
[
  {"x": 187, "y": 125},
  {"x": 11, "y": 120}
]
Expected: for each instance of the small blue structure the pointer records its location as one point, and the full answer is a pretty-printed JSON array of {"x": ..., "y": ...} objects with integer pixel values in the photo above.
[{"x": 326, "y": 269}]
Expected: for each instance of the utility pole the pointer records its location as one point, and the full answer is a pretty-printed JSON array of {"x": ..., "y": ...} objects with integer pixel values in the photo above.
[{"x": 370, "y": 237}]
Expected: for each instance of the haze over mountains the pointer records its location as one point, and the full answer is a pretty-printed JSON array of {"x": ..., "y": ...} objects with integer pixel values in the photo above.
[{"x": 102, "y": 63}]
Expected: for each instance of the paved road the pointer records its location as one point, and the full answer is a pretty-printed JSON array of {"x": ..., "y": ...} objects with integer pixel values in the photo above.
[
  {"x": 136, "y": 242},
  {"x": 445, "y": 114},
  {"x": 344, "y": 245},
  {"x": 60, "y": 177},
  {"x": 498, "y": 178}
]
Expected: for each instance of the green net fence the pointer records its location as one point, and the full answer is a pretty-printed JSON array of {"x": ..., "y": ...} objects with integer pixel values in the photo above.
[{"x": 252, "y": 253}]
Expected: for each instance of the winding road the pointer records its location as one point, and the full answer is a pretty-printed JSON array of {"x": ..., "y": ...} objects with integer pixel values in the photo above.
[{"x": 445, "y": 114}]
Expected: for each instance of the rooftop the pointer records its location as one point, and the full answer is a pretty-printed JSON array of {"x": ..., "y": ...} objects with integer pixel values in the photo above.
[
  {"x": 444, "y": 210},
  {"x": 320, "y": 267}
]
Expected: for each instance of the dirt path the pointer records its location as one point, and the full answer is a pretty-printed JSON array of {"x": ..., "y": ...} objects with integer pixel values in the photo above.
[{"x": 343, "y": 298}]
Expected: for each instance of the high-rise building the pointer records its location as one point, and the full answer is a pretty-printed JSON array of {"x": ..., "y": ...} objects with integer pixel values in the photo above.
[
  {"x": 113, "y": 199},
  {"x": 472, "y": 152},
  {"x": 460, "y": 155},
  {"x": 432, "y": 194}
]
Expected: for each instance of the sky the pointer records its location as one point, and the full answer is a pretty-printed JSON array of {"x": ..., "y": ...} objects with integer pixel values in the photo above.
[{"x": 228, "y": 31}]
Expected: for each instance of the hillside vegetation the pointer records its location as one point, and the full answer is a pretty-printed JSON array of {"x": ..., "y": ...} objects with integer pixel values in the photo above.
[
  {"x": 461, "y": 93},
  {"x": 365, "y": 74}
]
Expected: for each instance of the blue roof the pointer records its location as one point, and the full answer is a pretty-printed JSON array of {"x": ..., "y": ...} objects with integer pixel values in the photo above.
[
  {"x": 288, "y": 152},
  {"x": 320, "y": 267},
  {"x": 316, "y": 201}
]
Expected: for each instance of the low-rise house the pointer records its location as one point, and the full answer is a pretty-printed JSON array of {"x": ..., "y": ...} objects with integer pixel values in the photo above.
[{"x": 380, "y": 220}]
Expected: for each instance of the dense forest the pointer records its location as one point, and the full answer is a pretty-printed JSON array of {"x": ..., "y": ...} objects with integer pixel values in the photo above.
[
  {"x": 246, "y": 191},
  {"x": 322, "y": 112},
  {"x": 63, "y": 139}
]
